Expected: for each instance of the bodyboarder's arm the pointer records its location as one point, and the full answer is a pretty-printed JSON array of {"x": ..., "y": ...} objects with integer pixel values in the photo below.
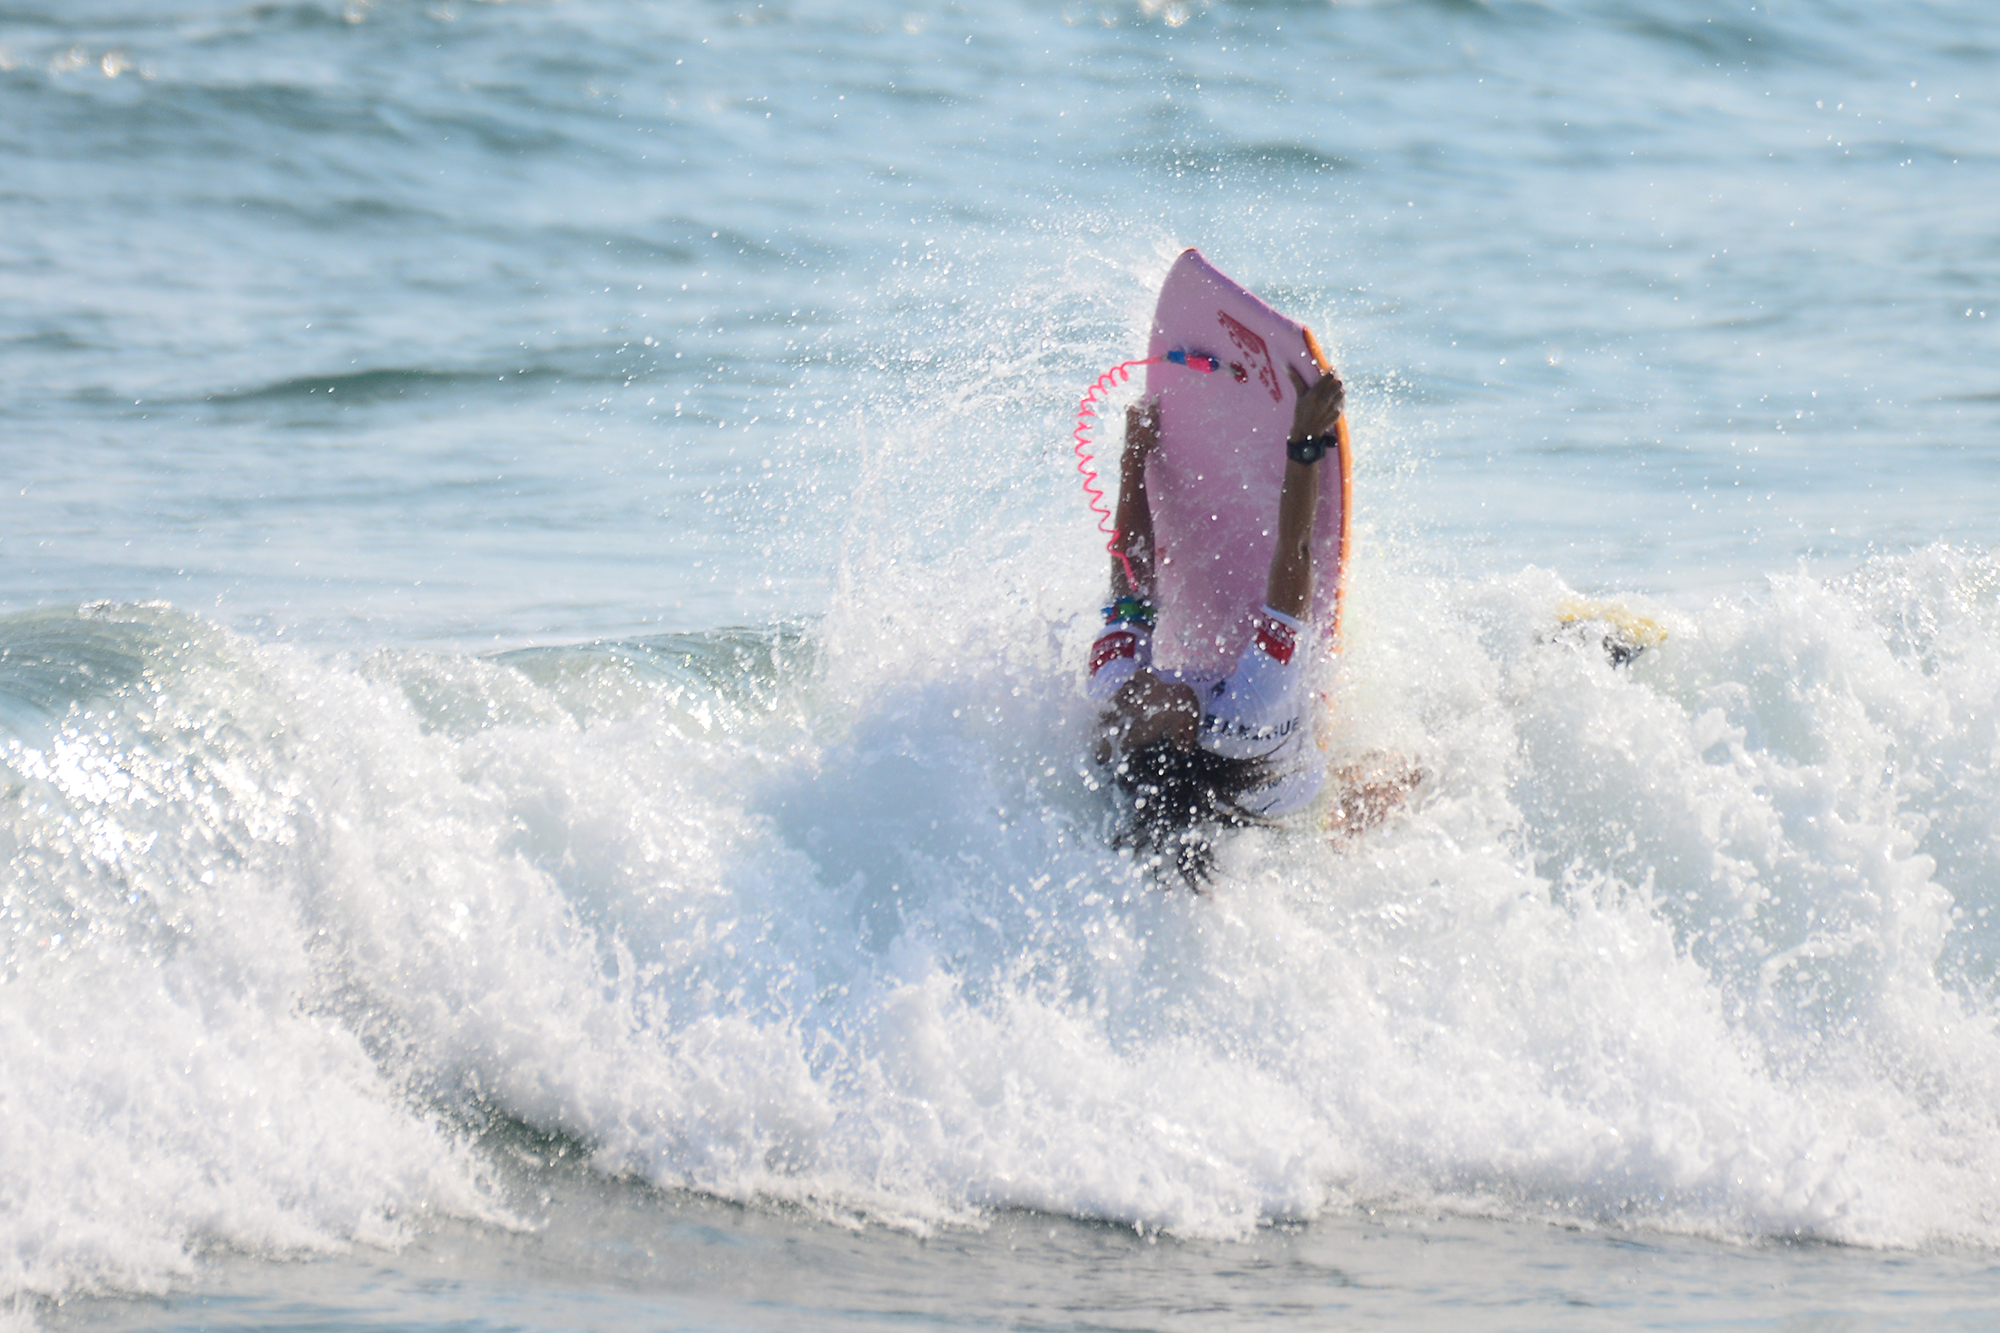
[{"x": 1135, "y": 512}]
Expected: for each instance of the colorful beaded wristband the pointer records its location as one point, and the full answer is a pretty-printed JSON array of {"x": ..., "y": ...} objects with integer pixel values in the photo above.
[{"x": 1131, "y": 611}]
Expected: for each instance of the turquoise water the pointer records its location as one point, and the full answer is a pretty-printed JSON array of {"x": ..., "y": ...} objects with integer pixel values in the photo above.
[
  {"x": 541, "y": 594},
  {"x": 612, "y": 1257}
]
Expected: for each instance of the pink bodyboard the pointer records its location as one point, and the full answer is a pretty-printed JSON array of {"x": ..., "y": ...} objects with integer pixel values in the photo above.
[{"x": 1215, "y": 480}]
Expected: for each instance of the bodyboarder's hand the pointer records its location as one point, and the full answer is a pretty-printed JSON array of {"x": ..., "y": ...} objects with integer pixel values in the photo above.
[{"x": 1318, "y": 406}]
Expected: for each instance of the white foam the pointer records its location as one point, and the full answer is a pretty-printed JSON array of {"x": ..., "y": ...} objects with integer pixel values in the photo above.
[{"x": 1705, "y": 943}]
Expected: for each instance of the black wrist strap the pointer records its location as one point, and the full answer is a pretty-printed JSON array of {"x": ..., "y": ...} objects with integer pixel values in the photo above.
[{"x": 1311, "y": 449}]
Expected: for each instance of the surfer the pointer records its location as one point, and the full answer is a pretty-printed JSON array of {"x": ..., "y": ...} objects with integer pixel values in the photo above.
[{"x": 1187, "y": 751}]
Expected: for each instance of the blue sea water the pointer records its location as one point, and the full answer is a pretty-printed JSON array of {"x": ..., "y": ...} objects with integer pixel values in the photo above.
[{"x": 541, "y": 594}]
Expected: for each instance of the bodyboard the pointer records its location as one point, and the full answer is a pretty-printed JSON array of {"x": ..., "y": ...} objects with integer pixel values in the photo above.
[{"x": 1215, "y": 479}]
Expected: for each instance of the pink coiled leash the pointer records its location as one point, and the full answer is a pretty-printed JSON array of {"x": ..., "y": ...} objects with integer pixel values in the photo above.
[{"x": 1086, "y": 412}]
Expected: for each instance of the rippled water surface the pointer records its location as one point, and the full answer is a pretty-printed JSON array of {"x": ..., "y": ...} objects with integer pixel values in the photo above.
[{"x": 541, "y": 595}]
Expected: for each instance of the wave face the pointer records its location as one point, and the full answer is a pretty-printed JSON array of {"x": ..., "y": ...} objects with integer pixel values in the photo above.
[{"x": 825, "y": 914}]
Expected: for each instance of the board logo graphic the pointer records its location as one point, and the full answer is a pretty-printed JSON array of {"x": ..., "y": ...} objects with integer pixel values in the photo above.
[{"x": 1252, "y": 345}]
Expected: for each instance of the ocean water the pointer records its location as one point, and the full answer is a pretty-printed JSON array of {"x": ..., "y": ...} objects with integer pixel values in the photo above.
[{"x": 542, "y": 593}]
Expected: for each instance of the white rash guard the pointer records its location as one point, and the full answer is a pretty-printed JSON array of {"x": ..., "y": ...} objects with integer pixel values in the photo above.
[{"x": 1257, "y": 711}]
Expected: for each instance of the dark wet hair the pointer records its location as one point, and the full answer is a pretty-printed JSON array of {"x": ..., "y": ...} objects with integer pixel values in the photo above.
[{"x": 1169, "y": 799}]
